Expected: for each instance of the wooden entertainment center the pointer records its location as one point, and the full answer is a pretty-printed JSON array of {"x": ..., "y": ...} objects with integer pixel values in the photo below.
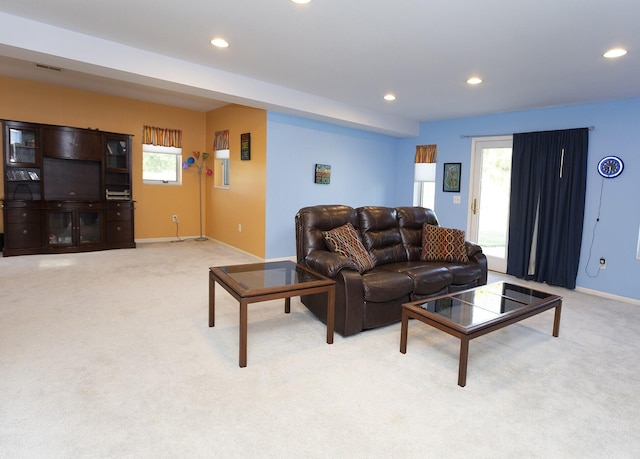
[{"x": 65, "y": 189}]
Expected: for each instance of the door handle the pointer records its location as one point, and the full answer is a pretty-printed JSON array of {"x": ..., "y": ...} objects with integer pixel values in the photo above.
[{"x": 474, "y": 207}]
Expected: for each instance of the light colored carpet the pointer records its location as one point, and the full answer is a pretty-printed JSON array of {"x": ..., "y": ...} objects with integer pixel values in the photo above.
[{"x": 108, "y": 354}]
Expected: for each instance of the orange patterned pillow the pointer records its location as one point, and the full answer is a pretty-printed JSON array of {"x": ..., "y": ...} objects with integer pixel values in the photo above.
[
  {"x": 443, "y": 244},
  {"x": 345, "y": 241}
]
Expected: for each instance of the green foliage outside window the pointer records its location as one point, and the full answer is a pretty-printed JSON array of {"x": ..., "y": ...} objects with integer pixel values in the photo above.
[{"x": 161, "y": 167}]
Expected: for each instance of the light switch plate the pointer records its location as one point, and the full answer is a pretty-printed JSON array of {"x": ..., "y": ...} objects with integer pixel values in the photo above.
[{"x": 456, "y": 199}]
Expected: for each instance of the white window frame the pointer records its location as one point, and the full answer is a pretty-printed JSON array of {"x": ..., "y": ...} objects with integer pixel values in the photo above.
[{"x": 173, "y": 151}]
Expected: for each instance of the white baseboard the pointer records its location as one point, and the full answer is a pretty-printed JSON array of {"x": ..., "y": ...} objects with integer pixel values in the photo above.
[
  {"x": 162, "y": 239},
  {"x": 191, "y": 238},
  {"x": 609, "y": 296}
]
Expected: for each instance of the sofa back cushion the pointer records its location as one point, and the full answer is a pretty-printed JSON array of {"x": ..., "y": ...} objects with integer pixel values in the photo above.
[
  {"x": 411, "y": 220},
  {"x": 312, "y": 221},
  {"x": 380, "y": 234}
]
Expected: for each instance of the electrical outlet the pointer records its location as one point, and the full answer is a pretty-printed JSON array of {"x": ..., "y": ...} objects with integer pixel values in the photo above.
[
  {"x": 174, "y": 218},
  {"x": 603, "y": 263}
]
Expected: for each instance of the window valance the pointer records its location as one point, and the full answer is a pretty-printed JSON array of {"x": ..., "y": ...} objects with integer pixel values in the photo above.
[
  {"x": 426, "y": 153},
  {"x": 161, "y": 136}
]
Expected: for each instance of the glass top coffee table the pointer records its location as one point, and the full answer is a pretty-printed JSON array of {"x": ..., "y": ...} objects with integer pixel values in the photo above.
[
  {"x": 478, "y": 311},
  {"x": 255, "y": 282}
]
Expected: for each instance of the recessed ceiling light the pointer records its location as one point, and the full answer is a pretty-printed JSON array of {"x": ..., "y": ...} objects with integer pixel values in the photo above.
[
  {"x": 301, "y": 2},
  {"x": 389, "y": 97},
  {"x": 474, "y": 80},
  {"x": 615, "y": 52},
  {"x": 220, "y": 43}
]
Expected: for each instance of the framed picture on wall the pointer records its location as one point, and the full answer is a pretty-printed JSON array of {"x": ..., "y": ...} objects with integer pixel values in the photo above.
[
  {"x": 451, "y": 177},
  {"x": 323, "y": 174},
  {"x": 245, "y": 146}
]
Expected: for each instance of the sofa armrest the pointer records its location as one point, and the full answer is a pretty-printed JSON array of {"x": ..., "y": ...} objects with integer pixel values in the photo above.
[
  {"x": 327, "y": 263},
  {"x": 472, "y": 248},
  {"x": 474, "y": 251}
]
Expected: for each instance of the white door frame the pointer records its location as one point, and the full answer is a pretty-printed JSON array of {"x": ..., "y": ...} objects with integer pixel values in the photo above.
[{"x": 478, "y": 143}]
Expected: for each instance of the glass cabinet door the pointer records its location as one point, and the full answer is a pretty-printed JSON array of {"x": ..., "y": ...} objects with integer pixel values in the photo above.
[
  {"x": 74, "y": 227},
  {"x": 60, "y": 226},
  {"x": 22, "y": 146},
  {"x": 89, "y": 231},
  {"x": 117, "y": 153}
]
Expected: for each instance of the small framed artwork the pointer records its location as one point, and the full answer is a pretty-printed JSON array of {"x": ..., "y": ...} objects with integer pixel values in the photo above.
[
  {"x": 451, "y": 182},
  {"x": 323, "y": 174},
  {"x": 245, "y": 146}
]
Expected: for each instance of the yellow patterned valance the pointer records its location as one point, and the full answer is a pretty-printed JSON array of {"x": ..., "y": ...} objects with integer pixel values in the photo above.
[
  {"x": 221, "y": 140},
  {"x": 161, "y": 136},
  {"x": 426, "y": 153}
]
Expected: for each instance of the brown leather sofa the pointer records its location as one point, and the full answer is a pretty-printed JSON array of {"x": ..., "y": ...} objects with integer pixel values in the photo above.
[{"x": 394, "y": 237}]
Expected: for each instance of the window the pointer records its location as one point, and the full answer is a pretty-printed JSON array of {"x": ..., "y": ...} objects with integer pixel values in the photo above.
[
  {"x": 221, "y": 169},
  {"x": 161, "y": 165},
  {"x": 426, "y": 192},
  {"x": 424, "y": 188}
]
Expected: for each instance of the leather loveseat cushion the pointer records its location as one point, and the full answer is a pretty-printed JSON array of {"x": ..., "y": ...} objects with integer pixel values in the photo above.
[
  {"x": 381, "y": 286},
  {"x": 427, "y": 278}
]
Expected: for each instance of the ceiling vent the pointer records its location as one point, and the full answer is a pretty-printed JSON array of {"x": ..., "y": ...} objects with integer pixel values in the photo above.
[{"x": 48, "y": 67}]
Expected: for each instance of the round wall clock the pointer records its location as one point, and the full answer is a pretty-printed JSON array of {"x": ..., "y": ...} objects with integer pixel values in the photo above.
[{"x": 610, "y": 166}]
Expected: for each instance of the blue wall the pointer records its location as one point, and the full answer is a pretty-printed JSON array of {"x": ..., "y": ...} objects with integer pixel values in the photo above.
[
  {"x": 372, "y": 169},
  {"x": 617, "y": 132},
  {"x": 363, "y": 172}
]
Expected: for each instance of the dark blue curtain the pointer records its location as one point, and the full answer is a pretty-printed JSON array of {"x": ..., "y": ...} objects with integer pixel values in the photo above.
[{"x": 548, "y": 183}]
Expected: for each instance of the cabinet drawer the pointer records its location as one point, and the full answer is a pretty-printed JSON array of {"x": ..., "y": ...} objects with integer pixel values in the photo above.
[
  {"x": 22, "y": 236},
  {"x": 118, "y": 215},
  {"x": 119, "y": 211},
  {"x": 119, "y": 231},
  {"x": 24, "y": 215}
]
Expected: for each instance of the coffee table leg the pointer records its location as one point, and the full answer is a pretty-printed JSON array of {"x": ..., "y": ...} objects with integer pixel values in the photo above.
[
  {"x": 287, "y": 305},
  {"x": 403, "y": 332},
  {"x": 331, "y": 313},
  {"x": 243, "y": 334},
  {"x": 212, "y": 301},
  {"x": 462, "y": 367},
  {"x": 556, "y": 320}
]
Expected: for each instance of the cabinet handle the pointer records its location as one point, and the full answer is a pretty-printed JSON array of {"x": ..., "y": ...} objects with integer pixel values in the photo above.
[
  {"x": 24, "y": 215},
  {"x": 118, "y": 228},
  {"x": 118, "y": 214},
  {"x": 24, "y": 231}
]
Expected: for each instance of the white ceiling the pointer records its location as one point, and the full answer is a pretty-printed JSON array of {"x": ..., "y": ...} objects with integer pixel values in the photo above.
[{"x": 332, "y": 60}]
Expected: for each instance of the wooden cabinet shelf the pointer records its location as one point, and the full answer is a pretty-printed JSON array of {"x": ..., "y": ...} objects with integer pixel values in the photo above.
[{"x": 65, "y": 189}]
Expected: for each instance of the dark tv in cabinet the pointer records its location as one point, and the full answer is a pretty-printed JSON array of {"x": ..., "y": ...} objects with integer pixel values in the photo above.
[{"x": 71, "y": 180}]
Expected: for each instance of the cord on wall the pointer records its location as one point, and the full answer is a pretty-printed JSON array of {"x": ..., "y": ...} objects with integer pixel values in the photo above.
[
  {"x": 593, "y": 237},
  {"x": 177, "y": 237}
]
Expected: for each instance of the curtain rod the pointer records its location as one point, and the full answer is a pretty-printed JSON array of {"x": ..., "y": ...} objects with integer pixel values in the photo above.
[{"x": 464, "y": 136}]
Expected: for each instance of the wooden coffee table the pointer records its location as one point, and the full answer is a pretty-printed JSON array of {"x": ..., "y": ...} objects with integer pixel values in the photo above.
[
  {"x": 255, "y": 282},
  {"x": 478, "y": 311}
]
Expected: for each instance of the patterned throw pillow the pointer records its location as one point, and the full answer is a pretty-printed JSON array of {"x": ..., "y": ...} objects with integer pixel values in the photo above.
[
  {"x": 443, "y": 244},
  {"x": 345, "y": 241}
]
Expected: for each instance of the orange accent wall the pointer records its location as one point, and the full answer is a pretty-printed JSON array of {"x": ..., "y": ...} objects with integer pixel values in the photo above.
[{"x": 244, "y": 202}]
